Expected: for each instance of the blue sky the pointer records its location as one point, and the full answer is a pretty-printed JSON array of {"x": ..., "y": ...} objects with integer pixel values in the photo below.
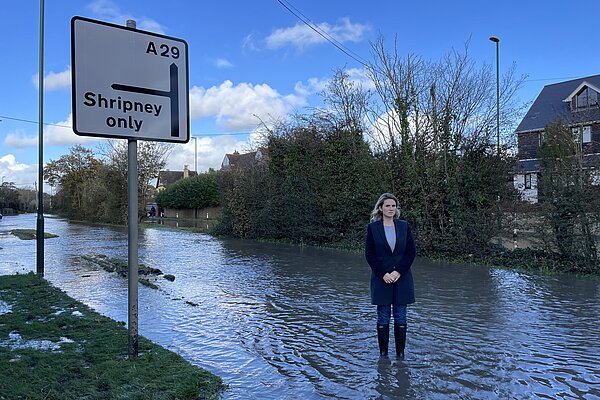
[{"x": 254, "y": 58}]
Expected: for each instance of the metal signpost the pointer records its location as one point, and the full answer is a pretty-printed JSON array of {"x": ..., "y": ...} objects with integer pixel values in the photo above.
[{"x": 129, "y": 84}]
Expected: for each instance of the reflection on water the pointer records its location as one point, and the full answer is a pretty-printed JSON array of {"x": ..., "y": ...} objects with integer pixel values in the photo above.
[{"x": 281, "y": 322}]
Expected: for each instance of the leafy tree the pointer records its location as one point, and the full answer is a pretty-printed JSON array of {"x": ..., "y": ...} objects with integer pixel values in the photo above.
[
  {"x": 317, "y": 187},
  {"x": 571, "y": 199},
  {"x": 9, "y": 196},
  {"x": 195, "y": 192},
  {"x": 76, "y": 175},
  {"x": 93, "y": 189},
  {"x": 151, "y": 159}
]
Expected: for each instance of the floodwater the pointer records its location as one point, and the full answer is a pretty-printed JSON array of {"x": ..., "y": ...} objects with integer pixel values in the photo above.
[{"x": 285, "y": 322}]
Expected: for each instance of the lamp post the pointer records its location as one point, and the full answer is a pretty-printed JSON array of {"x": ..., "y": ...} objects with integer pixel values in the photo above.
[
  {"x": 496, "y": 40},
  {"x": 40, "y": 211},
  {"x": 195, "y": 153}
]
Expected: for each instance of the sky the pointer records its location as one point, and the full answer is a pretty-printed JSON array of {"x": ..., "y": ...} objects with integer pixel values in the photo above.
[{"x": 253, "y": 61}]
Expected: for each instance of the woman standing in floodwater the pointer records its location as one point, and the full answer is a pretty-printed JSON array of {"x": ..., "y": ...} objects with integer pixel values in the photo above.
[{"x": 390, "y": 251}]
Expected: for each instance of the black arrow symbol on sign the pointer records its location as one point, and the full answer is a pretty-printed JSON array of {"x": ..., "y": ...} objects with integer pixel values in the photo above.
[{"x": 172, "y": 94}]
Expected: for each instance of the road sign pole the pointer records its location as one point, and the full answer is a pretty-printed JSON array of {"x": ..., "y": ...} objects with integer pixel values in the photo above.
[
  {"x": 132, "y": 240},
  {"x": 129, "y": 84}
]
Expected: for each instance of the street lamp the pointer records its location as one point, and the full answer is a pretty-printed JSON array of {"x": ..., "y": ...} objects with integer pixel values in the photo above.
[
  {"x": 40, "y": 211},
  {"x": 195, "y": 153},
  {"x": 496, "y": 40}
]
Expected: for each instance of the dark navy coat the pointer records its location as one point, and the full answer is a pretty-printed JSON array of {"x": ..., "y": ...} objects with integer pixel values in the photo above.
[{"x": 382, "y": 260}]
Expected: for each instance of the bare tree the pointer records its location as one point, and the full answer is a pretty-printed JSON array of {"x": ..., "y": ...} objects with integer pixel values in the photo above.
[
  {"x": 432, "y": 124},
  {"x": 152, "y": 158}
]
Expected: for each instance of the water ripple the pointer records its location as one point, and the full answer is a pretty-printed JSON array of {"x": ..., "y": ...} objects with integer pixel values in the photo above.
[{"x": 284, "y": 322}]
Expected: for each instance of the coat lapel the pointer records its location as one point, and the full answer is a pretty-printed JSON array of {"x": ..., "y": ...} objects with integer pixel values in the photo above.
[{"x": 400, "y": 236}]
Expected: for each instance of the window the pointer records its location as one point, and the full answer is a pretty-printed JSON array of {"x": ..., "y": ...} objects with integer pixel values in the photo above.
[
  {"x": 586, "y": 98},
  {"x": 587, "y": 134},
  {"x": 527, "y": 181},
  {"x": 584, "y": 137}
]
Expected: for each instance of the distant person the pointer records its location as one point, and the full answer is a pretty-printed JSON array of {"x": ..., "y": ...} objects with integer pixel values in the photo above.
[{"x": 390, "y": 251}]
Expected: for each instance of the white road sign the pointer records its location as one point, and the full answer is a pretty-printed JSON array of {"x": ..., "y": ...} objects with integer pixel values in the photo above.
[{"x": 128, "y": 83}]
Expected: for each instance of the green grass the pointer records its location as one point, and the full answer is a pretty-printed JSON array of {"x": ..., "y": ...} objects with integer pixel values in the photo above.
[
  {"x": 30, "y": 234},
  {"x": 87, "y": 354}
]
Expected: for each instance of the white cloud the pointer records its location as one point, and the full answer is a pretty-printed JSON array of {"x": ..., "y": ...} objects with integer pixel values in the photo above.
[
  {"x": 301, "y": 35},
  {"x": 223, "y": 63},
  {"x": 20, "y": 138},
  {"x": 360, "y": 76},
  {"x": 108, "y": 11},
  {"x": 249, "y": 43},
  {"x": 312, "y": 86},
  {"x": 59, "y": 134},
  {"x": 211, "y": 151},
  {"x": 357, "y": 76},
  {"x": 238, "y": 106},
  {"x": 54, "y": 80},
  {"x": 22, "y": 175}
]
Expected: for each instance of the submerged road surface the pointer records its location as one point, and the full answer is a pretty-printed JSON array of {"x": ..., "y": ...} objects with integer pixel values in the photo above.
[{"x": 284, "y": 322}]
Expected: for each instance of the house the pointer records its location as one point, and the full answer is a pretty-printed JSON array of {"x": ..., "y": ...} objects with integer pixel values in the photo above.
[
  {"x": 575, "y": 103},
  {"x": 246, "y": 160},
  {"x": 165, "y": 178}
]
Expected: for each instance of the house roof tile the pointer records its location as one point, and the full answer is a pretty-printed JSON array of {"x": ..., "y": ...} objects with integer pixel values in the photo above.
[
  {"x": 165, "y": 178},
  {"x": 550, "y": 106}
]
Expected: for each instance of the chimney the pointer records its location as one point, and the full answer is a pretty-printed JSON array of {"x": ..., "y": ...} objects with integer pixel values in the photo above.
[{"x": 186, "y": 172}]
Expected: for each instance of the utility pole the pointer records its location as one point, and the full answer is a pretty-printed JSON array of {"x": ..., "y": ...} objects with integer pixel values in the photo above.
[{"x": 39, "y": 237}]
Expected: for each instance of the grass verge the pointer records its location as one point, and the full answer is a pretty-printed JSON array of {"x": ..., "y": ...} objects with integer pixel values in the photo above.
[{"x": 54, "y": 347}]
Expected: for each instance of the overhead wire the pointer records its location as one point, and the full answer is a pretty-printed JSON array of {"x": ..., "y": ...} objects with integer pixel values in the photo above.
[
  {"x": 304, "y": 19},
  {"x": 315, "y": 27},
  {"x": 69, "y": 127}
]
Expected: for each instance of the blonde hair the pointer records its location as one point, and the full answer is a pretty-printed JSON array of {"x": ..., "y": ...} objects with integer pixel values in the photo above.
[{"x": 376, "y": 214}]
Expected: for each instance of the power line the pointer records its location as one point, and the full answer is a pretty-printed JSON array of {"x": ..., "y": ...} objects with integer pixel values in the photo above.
[
  {"x": 69, "y": 127},
  {"x": 303, "y": 18},
  {"x": 298, "y": 14},
  {"x": 552, "y": 79},
  {"x": 32, "y": 122}
]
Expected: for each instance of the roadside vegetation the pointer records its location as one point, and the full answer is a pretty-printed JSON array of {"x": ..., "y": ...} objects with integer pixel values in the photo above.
[
  {"x": 93, "y": 187},
  {"x": 14, "y": 200},
  {"x": 424, "y": 130},
  {"x": 53, "y": 347},
  {"x": 195, "y": 192}
]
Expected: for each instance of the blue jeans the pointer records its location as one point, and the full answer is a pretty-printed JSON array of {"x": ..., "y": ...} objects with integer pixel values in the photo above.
[{"x": 384, "y": 314}]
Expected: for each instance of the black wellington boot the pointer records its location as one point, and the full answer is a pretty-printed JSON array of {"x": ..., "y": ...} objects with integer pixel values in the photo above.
[
  {"x": 400, "y": 339},
  {"x": 383, "y": 337}
]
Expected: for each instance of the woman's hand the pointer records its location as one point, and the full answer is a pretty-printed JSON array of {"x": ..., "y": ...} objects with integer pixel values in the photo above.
[
  {"x": 387, "y": 278},
  {"x": 391, "y": 277}
]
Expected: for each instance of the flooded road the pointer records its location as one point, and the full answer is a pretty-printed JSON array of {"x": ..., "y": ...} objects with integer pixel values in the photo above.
[{"x": 284, "y": 322}]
